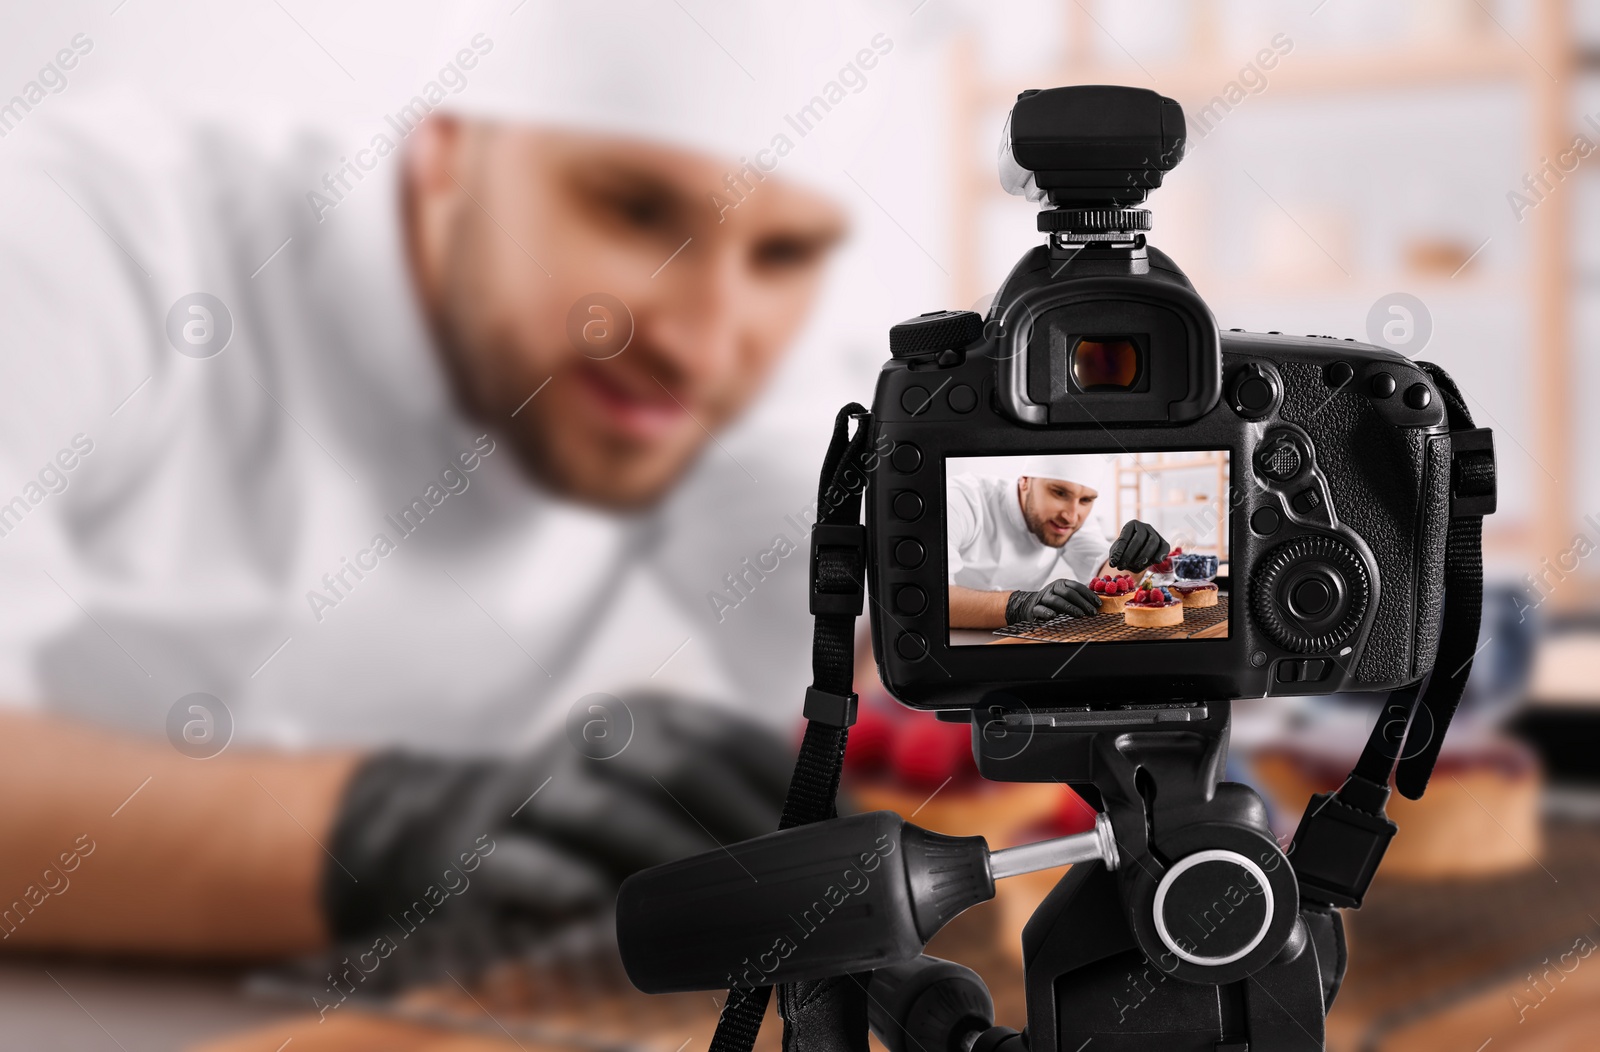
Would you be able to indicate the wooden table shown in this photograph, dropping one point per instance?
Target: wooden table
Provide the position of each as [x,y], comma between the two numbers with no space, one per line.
[1436,966]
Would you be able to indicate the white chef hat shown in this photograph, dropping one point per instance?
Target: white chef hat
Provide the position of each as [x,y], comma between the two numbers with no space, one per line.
[797,87]
[1094,470]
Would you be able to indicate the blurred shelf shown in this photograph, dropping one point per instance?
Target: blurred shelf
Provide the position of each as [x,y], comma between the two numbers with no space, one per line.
[1180,465]
[1358,286]
[1564,672]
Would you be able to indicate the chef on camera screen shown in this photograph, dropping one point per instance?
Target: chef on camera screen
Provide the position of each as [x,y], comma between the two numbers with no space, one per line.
[1027,537]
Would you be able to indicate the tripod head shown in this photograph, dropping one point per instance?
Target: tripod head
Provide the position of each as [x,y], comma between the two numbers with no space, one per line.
[1180,871]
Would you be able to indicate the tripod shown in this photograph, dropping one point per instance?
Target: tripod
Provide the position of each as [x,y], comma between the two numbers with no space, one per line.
[1195,942]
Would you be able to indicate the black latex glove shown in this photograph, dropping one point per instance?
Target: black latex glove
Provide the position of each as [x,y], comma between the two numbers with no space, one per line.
[1137,547]
[470,860]
[1061,596]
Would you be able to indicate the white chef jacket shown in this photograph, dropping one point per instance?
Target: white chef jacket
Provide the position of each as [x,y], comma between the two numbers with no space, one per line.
[182,550]
[991,549]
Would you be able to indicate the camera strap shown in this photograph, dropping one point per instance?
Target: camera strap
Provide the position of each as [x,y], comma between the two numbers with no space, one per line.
[826,1015]
[1344,834]
[1472,496]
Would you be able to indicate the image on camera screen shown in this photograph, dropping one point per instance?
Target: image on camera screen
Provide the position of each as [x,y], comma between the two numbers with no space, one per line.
[1087,547]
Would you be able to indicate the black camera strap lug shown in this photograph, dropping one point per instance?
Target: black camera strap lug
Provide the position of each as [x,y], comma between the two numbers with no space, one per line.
[828,1015]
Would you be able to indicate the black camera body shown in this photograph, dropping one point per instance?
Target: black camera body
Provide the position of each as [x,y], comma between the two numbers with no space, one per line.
[1338,489]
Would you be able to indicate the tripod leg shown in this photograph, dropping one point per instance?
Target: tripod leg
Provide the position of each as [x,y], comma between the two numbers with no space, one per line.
[1284,1001]
[928,1005]
[824,1015]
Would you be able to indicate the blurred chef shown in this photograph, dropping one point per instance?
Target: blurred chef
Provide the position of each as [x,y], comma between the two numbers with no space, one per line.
[347,469]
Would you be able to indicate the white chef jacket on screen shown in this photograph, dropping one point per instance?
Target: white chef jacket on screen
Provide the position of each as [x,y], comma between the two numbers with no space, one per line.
[991,549]
[181,552]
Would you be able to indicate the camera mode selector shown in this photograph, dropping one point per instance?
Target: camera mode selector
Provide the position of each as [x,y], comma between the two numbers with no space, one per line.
[940,330]
[1256,391]
[1310,594]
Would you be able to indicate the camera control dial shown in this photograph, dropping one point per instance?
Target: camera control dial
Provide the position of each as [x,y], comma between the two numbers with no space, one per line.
[936,331]
[1310,594]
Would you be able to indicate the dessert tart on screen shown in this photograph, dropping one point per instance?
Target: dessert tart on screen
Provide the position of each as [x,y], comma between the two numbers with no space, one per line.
[1114,592]
[1152,607]
[1195,593]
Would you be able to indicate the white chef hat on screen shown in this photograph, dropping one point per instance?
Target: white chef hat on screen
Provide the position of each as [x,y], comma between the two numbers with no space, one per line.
[796,88]
[1094,470]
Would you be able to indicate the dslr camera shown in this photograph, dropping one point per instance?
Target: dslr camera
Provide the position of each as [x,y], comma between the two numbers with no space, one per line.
[1323,464]
[1328,498]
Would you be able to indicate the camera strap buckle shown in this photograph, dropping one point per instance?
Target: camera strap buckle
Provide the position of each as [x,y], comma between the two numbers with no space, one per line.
[1344,834]
[1472,472]
[838,569]
[835,710]
[1337,849]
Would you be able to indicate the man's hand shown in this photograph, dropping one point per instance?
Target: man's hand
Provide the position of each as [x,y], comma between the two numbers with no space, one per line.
[1137,547]
[1061,596]
[472,859]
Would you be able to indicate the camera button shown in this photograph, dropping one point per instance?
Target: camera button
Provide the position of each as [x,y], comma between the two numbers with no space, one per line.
[911,646]
[1418,396]
[1313,670]
[907,506]
[1311,598]
[1337,374]
[1281,460]
[909,553]
[962,398]
[1266,521]
[911,600]
[906,458]
[915,399]
[1287,672]
[1254,395]
[1307,501]
[1255,391]
[1382,385]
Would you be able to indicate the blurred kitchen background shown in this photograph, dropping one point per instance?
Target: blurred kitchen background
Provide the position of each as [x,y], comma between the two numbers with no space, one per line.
[1363,168]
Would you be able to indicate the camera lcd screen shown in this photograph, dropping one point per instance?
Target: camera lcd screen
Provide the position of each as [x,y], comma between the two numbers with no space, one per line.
[1029,543]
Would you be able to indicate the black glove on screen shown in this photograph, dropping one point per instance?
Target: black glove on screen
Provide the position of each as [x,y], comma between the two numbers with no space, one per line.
[481,855]
[1061,596]
[1137,547]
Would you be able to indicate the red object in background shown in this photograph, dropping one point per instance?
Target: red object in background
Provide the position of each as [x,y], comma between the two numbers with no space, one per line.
[1074,815]
[925,752]
[871,739]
